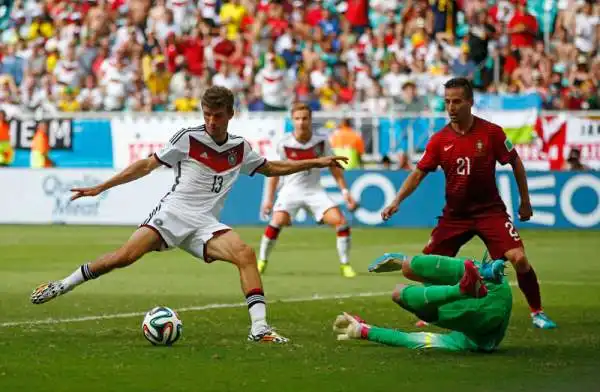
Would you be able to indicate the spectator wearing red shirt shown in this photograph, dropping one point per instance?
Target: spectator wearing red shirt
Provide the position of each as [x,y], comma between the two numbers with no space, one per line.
[223,49]
[192,48]
[523,27]
[171,51]
[314,14]
[277,21]
[358,15]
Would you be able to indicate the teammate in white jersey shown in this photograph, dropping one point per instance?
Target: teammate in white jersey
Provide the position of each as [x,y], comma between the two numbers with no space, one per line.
[303,190]
[207,160]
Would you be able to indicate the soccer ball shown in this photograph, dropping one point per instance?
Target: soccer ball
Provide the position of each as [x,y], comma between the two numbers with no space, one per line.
[161,326]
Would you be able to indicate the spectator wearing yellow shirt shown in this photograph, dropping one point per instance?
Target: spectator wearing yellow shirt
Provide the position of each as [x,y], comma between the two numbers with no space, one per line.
[187,103]
[69,102]
[40,27]
[158,82]
[327,95]
[231,15]
[52,57]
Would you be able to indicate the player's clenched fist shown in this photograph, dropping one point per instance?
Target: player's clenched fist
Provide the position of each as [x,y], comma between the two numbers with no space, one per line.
[267,207]
[525,212]
[389,211]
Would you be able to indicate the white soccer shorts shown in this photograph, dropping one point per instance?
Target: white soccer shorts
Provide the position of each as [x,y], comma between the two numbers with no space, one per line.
[315,201]
[189,235]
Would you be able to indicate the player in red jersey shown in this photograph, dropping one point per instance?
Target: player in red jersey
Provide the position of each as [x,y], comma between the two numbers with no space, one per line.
[467,149]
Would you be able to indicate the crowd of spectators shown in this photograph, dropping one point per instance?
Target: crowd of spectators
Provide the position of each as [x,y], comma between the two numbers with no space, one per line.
[371,55]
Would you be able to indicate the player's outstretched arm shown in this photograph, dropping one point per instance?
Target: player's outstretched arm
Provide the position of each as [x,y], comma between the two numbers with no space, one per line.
[408,187]
[284,168]
[348,327]
[132,172]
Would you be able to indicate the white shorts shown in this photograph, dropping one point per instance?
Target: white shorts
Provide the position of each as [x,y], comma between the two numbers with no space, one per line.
[176,231]
[317,202]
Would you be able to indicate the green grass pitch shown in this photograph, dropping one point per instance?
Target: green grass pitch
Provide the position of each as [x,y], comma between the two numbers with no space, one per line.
[111,354]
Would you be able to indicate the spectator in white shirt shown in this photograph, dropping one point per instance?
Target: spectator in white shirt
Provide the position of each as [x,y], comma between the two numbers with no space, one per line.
[392,82]
[90,97]
[587,30]
[227,77]
[67,69]
[318,76]
[115,85]
[274,88]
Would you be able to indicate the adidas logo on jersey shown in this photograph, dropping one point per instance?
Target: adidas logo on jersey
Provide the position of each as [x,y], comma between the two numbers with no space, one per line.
[204,155]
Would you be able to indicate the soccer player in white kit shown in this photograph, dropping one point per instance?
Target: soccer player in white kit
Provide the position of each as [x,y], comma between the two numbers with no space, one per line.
[206,160]
[303,190]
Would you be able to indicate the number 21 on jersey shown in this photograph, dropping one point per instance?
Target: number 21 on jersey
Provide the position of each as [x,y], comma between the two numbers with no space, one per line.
[464,166]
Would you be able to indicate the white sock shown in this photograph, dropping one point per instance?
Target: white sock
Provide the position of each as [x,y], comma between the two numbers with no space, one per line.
[258,311]
[258,316]
[267,242]
[343,244]
[80,275]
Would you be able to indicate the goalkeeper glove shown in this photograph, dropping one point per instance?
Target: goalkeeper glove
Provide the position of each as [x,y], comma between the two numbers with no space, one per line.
[350,327]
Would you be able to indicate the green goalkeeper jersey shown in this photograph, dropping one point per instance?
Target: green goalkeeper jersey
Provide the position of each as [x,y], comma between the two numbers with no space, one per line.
[482,320]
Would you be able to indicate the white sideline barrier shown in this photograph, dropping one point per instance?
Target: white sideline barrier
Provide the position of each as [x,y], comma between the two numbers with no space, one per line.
[46,194]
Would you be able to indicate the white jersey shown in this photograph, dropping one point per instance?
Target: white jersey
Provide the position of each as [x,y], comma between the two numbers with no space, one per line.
[289,148]
[204,170]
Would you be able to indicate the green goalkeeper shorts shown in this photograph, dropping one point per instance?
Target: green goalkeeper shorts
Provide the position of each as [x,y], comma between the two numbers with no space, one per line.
[483,320]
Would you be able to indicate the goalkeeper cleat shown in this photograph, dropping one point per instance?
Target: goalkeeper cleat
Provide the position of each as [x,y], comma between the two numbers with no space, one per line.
[347,271]
[387,263]
[493,271]
[262,266]
[47,291]
[267,335]
[471,283]
[540,320]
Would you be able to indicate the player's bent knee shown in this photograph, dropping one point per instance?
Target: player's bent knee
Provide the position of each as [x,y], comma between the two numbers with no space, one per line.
[518,259]
[281,219]
[244,256]
[397,293]
[341,222]
[406,270]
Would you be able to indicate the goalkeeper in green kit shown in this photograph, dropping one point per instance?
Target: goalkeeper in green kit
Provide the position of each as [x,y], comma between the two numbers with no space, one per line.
[471,299]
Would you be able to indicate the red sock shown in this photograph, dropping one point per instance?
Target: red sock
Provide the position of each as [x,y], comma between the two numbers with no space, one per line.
[272,232]
[530,287]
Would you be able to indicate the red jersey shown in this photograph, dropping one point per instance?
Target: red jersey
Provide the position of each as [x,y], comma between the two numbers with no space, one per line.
[526,38]
[469,164]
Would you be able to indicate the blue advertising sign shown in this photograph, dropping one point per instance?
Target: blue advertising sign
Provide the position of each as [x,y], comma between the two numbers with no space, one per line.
[560,200]
[73,143]
[508,101]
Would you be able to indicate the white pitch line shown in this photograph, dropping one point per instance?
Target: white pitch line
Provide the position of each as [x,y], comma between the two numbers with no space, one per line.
[315,297]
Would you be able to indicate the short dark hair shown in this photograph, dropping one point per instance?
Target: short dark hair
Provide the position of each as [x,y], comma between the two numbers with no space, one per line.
[216,97]
[463,83]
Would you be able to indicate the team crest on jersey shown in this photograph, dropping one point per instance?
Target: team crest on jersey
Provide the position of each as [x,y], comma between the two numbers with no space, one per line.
[232,158]
[479,148]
